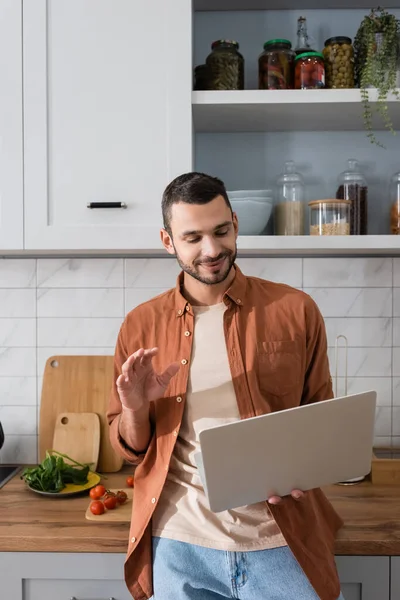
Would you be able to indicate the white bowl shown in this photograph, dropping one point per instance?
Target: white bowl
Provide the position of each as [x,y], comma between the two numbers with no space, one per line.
[253,215]
[250,194]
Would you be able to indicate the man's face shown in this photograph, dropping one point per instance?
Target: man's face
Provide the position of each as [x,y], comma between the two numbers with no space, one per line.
[203,239]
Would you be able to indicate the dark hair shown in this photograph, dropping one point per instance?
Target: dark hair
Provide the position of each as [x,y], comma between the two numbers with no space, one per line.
[191,188]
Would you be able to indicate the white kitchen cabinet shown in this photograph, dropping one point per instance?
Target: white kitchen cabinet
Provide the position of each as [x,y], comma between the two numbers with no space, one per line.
[395,578]
[99,576]
[11,182]
[365,577]
[107,119]
[51,576]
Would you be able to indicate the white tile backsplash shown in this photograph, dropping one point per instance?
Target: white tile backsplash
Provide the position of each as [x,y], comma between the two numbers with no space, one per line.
[101,302]
[18,332]
[353,302]
[17,303]
[347,272]
[77,332]
[80,272]
[281,270]
[151,272]
[75,306]
[19,449]
[359,332]
[17,273]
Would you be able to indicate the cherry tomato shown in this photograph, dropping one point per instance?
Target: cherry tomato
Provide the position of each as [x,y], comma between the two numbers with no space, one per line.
[97,492]
[110,502]
[109,494]
[122,497]
[97,507]
[129,481]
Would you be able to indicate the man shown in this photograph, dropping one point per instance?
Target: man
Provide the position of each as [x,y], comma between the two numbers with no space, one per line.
[217,348]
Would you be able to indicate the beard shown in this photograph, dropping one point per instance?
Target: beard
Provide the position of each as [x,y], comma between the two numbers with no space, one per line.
[218,276]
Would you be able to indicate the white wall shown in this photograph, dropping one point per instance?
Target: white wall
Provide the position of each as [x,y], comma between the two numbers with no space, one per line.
[75,306]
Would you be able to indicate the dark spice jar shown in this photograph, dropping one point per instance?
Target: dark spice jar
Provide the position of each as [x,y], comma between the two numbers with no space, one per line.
[353,187]
[276,66]
[225,66]
[309,71]
[200,77]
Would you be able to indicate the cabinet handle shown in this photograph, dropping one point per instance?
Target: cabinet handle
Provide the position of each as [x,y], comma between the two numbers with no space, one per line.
[107,205]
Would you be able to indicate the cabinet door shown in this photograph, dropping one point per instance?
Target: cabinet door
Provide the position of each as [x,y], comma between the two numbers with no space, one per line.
[11,175]
[107,119]
[364,577]
[395,578]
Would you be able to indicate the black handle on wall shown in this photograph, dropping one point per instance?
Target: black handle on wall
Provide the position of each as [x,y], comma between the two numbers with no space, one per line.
[107,205]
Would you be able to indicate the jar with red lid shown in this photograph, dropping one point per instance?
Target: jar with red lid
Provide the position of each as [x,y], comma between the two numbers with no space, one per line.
[309,71]
[276,66]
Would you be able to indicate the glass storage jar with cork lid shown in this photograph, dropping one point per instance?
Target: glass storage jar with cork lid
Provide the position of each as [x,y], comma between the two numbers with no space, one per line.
[225,66]
[329,217]
[289,202]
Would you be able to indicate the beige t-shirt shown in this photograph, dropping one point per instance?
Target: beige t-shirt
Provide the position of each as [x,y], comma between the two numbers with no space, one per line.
[183,512]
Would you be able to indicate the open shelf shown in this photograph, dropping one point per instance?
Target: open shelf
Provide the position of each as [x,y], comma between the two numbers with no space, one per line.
[362,245]
[285,4]
[286,110]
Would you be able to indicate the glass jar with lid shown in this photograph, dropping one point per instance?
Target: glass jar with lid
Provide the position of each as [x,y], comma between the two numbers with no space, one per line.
[276,66]
[394,193]
[309,71]
[339,62]
[289,207]
[329,217]
[225,66]
[353,186]
[200,78]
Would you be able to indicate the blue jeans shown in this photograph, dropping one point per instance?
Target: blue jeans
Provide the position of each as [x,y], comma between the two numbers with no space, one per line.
[184,571]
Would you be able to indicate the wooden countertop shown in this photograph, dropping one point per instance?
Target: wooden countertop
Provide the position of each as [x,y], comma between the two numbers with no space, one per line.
[32,523]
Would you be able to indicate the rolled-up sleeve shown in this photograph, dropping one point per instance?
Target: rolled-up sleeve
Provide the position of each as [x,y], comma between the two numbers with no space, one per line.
[318,381]
[115,407]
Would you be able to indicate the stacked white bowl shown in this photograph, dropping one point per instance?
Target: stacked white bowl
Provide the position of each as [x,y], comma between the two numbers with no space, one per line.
[253,209]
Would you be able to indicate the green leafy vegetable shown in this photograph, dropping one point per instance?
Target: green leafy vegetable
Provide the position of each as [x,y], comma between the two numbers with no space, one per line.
[54,473]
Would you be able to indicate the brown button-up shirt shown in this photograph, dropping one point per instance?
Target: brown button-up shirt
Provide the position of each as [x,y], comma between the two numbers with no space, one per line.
[277,351]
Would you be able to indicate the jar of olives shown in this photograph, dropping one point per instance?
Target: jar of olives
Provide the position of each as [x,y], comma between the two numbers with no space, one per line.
[339,62]
[276,66]
[225,66]
[309,71]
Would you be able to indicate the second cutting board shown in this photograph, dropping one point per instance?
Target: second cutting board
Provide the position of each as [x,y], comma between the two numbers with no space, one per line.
[78,436]
[78,384]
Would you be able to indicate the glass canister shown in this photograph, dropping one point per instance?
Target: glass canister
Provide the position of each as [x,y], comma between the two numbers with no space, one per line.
[339,62]
[394,192]
[329,217]
[309,71]
[225,66]
[289,207]
[353,186]
[276,66]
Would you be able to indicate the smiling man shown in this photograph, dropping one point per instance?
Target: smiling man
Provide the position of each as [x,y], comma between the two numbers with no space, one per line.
[218,347]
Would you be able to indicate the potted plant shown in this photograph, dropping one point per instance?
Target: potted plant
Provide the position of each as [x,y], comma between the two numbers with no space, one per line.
[376,49]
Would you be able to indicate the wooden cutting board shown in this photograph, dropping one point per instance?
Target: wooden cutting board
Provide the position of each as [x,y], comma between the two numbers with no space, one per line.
[121,514]
[78,384]
[78,436]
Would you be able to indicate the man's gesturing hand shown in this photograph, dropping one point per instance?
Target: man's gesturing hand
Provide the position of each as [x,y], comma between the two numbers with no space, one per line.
[139,384]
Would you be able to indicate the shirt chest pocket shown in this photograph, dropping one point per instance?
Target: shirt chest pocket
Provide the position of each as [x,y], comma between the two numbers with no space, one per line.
[279,366]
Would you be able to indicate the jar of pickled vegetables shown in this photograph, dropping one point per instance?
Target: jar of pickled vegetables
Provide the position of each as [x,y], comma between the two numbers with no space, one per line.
[339,62]
[309,71]
[276,66]
[225,66]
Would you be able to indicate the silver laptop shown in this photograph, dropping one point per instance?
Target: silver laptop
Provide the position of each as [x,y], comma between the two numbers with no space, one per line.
[302,448]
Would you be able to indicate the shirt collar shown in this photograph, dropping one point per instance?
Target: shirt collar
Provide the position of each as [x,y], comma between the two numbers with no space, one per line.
[236,292]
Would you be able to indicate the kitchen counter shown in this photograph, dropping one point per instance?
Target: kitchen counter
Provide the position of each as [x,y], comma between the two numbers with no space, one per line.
[33,523]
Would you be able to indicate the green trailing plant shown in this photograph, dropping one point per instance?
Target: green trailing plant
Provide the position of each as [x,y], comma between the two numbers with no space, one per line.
[376,49]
